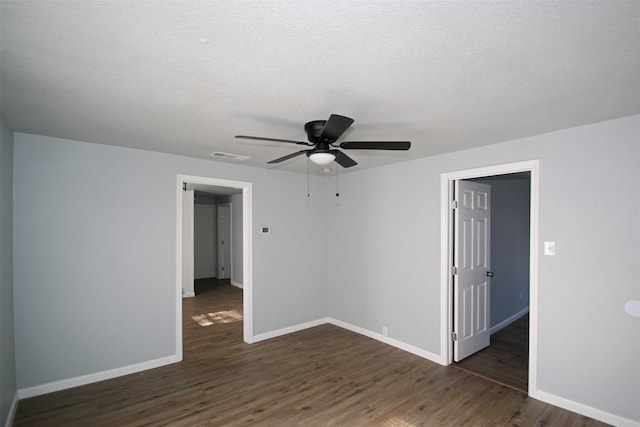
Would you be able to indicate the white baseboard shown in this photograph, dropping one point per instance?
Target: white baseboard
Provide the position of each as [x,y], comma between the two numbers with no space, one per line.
[508,321]
[188,294]
[12,411]
[580,408]
[126,370]
[289,330]
[237,285]
[387,340]
[38,390]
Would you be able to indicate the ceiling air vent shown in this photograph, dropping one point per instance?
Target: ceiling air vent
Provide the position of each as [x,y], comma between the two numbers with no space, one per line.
[228,156]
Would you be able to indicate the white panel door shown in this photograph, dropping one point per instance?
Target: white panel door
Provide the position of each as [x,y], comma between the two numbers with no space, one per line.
[187,244]
[204,241]
[472,265]
[224,241]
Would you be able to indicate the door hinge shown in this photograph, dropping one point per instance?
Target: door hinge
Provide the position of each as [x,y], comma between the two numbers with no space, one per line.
[454,270]
[454,204]
[454,336]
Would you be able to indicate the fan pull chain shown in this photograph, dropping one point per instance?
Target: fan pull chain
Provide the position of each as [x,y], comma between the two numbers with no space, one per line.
[337,187]
[308,178]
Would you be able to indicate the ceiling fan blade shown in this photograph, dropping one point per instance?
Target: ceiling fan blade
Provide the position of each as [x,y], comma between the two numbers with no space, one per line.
[343,160]
[335,127]
[376,145]
[287,157]
[260,138]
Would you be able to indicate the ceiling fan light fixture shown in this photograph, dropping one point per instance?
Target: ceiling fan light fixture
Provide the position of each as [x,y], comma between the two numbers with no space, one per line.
[322,158]
[323,135]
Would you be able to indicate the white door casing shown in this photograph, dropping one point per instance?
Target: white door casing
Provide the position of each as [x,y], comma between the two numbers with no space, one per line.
[187,244]
[472,265]
[447,180]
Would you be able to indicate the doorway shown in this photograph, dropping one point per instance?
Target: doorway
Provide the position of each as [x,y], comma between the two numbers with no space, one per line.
[216,210]
[247,248]
[504,356]
[448,181]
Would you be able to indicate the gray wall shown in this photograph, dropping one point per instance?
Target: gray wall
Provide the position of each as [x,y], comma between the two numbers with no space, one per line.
[204,198]
[509,246]
[8,386]
[83,233]
[236,238]
[385,255]
[96,223]
[235,200]
[205,242]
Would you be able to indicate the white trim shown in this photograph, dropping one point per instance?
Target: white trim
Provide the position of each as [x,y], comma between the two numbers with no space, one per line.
[236,284]
[446,297]
[230,239]
[357,329]
[589,411]
[389,341]
[247,251]
[533,277]
[290,329]
[12,411]
[38,390]
[178,294]
[188,294]
[247,262]
[509,320]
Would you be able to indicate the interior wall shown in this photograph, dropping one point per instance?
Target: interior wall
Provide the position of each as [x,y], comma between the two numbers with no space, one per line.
[8,385]
[205,199]
[379,259]
[235,200]
[205,251]
[223,242]
[103,239]
[510,212]
[236,240]
[385,256]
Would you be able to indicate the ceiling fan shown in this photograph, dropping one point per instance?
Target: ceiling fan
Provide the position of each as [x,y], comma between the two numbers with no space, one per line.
[323,135]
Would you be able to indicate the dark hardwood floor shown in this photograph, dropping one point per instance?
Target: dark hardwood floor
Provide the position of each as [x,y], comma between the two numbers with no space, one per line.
[323,376]
[506,360]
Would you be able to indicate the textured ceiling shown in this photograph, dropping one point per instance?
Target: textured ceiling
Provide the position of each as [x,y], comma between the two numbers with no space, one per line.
[184,77]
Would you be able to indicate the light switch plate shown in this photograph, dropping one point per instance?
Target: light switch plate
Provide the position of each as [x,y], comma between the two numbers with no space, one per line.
[550,248]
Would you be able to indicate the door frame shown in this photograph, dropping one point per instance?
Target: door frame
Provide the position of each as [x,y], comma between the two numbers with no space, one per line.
[446,257]
[247,251]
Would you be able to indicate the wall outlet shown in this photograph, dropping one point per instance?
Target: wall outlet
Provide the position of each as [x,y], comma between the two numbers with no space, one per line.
[385,331]
[550,248]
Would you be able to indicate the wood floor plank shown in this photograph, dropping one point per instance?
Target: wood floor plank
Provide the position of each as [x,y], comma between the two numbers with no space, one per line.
[322,376]
[506,360]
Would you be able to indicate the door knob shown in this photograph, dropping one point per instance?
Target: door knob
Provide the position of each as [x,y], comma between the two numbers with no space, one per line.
[489,273]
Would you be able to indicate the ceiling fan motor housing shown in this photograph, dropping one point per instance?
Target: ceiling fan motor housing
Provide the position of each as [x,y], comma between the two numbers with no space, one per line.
[314,130]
